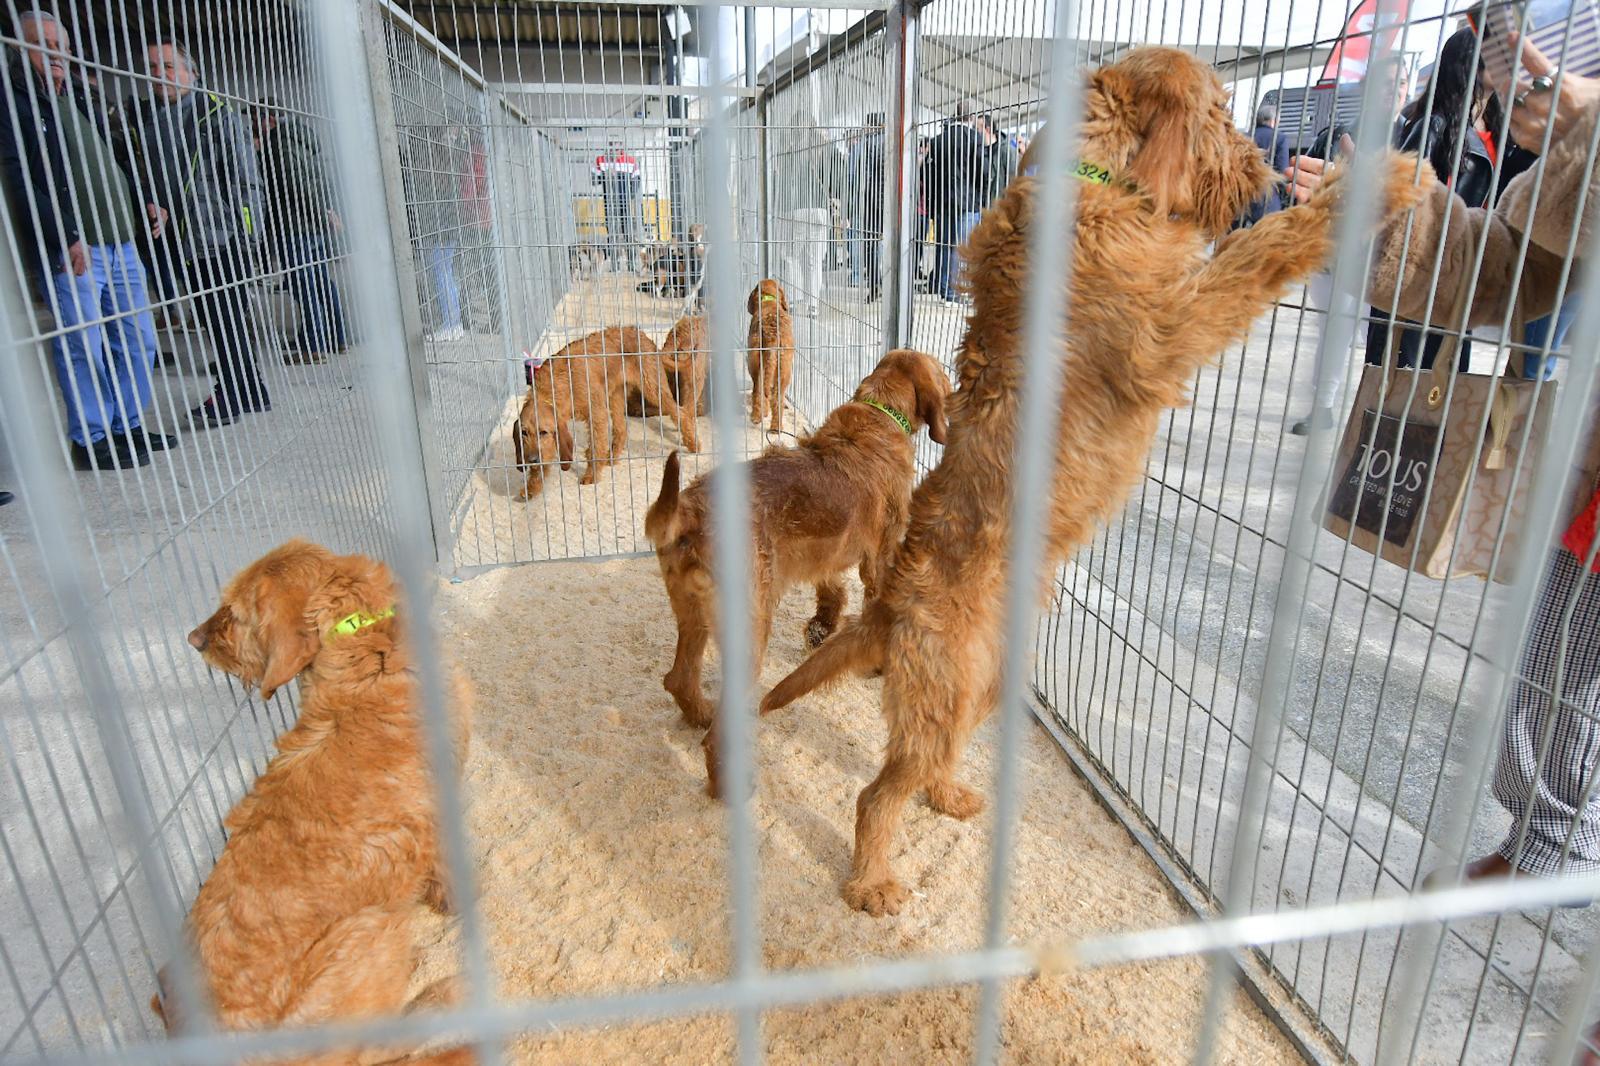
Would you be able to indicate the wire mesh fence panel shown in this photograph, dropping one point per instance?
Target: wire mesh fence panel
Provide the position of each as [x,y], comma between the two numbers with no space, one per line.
[1155,653]
[446,283]
[177,242]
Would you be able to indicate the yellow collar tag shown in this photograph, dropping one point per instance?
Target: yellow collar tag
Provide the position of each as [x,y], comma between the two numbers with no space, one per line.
[899,419]
[768,298]
[1093,173]
[355,623]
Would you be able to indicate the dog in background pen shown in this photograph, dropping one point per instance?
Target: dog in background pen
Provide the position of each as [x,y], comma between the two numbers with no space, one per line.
[770,352]
[836,500]
[589,381]
[306,917]
[1164,173]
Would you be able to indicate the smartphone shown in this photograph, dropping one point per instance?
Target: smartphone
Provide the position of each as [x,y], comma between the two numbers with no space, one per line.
[1545,23]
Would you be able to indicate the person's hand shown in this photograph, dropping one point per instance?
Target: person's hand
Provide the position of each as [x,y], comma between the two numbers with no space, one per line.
[78,258]
[158,219]
[1306,175]
[335,223]
[1535,107]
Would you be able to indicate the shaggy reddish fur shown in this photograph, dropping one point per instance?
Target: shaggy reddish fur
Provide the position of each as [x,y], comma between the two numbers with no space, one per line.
[686,359]
[589,381]
[306,916]
[1148,308]
[770,352]
[836,500]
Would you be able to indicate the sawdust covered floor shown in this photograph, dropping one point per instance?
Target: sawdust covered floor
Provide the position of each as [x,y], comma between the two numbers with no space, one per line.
[601,861]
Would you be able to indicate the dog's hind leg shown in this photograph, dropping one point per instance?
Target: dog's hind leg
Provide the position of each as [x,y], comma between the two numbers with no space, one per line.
[758,389]
[766,605]
[927,730]
[694,632]
[778,388]
[358,969]
[945,794]
[831,597]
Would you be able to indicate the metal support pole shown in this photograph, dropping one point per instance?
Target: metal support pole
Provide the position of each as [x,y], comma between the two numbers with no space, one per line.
[374,33]
[900,175]
[763,186]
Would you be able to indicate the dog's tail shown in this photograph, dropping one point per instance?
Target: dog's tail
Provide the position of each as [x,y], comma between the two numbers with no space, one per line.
[856,649]
[661,521]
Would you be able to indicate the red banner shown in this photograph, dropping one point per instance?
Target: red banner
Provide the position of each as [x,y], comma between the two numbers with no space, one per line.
[1349,59]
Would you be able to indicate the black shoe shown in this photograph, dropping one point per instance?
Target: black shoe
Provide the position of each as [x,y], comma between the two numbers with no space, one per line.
[105,455]
[874,296]
[209,416]
[1319,418]
[142,439]
[6,497]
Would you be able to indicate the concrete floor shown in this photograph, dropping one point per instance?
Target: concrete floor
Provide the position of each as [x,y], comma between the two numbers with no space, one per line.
[1155,666]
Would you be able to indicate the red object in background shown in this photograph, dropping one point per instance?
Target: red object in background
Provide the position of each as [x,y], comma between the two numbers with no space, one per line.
[475,189]
[1349,59]
[1580,535]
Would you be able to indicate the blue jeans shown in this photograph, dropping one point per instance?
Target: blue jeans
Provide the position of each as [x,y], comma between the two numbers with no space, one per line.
[441,259]
[1535,333]
[321,313]
[954,229]
[108,344]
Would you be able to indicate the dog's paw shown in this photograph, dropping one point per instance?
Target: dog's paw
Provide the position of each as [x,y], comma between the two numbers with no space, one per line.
[590,476]
[876,897]
[818,631]
[1402,187]
[955,799]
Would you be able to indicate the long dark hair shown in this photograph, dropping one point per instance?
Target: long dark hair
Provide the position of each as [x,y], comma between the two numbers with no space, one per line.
[1459,98]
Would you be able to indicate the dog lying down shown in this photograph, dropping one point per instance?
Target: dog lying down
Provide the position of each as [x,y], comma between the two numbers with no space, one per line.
[1149,307]
[306,917]
[836,500]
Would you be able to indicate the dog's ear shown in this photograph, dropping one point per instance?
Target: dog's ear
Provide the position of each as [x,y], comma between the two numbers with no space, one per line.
[933,388]
[1230,174]
[1169,118]
[286,637]
[755,298]
[783,297]
[517,445]
[564,445]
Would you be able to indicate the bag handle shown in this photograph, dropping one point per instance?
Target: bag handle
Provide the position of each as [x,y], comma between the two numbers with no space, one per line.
[1502,396]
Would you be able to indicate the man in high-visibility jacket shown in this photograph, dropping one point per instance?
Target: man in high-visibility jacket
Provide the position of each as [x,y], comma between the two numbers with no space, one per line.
[202,158]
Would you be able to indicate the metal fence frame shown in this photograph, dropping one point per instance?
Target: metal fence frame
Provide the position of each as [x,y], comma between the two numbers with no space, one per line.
[406,494]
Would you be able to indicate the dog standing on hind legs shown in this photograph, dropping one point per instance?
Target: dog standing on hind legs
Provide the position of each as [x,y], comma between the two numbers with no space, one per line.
[836,500]
[1149,307]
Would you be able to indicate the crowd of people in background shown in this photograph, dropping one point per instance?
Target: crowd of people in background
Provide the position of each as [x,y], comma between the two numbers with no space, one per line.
[166,208]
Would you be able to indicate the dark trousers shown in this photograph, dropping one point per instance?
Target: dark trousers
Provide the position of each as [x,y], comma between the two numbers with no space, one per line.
[871,256]
[221,299]
[321,312]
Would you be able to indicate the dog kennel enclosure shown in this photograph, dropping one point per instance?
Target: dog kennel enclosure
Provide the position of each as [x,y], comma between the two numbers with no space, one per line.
[1294,730]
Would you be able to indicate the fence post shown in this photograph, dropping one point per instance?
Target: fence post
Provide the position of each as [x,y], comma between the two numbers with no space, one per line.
[900,175]
[374,34]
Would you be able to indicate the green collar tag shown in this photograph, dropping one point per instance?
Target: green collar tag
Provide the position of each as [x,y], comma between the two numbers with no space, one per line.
[354,623]
[899,419]
[1093,173]
[768,298]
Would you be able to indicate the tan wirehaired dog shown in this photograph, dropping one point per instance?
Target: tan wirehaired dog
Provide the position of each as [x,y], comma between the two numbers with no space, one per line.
[588,381]
[1149,307]
[306,917]
[686,360]
[836,500]
[770,352]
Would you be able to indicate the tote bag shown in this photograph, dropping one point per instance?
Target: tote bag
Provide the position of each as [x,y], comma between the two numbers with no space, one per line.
[1422,481]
